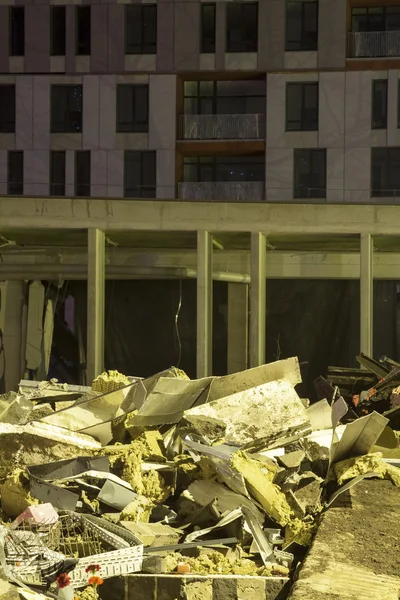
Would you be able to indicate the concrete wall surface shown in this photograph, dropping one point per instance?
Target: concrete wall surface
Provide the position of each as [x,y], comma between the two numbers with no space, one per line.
[192,587]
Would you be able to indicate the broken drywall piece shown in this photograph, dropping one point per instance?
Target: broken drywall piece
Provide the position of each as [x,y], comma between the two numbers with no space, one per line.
[320,415]
[257,414]
[15,409]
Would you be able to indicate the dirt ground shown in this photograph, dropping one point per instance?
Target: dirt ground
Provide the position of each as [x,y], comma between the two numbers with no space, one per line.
[355,554]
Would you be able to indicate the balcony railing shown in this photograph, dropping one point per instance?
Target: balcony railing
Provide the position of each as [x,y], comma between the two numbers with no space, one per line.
[373,44]
[230,191]
[222,127]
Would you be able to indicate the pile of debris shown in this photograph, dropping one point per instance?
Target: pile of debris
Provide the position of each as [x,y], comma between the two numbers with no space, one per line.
[222,475]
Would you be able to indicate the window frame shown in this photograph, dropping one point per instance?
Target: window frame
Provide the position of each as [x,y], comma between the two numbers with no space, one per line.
[312,155]
[143,46]
[68,124]
[247,43]
[57,43]
[83,39]
[134,126]
[390,167]
[18,190]
[9,125]
[303,126]
[141,190]
[379,122]
[57,188]
[199,97]
[306,43]
[207,39]
[13,11]
[82,190]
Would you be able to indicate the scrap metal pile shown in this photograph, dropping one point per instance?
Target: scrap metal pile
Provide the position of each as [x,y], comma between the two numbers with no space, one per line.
[222,475]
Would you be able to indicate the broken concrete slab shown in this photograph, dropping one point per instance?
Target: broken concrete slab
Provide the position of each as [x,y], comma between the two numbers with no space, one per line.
[37,443]
[257,414]
[292,460]
[153,534]
[309,497]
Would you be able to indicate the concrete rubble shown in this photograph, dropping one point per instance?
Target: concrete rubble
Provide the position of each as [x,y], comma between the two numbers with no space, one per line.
[217,484]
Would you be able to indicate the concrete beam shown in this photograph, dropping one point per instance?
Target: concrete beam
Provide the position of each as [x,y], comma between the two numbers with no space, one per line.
[115,214]
[257,299]
[366,294]
[238,327]
[204,303]
[127,263]
[95,303]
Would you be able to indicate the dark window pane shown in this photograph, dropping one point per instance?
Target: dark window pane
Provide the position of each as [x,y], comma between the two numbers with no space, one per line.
[139,174]
[57,173]
[208,28]
[57,33]
[301,25]
[15,177]
[242,27]
[302,106]
[82,173]
[83,34]
[385,172]
[66,109]
[379,103]
[230,169]
[17,31]
[141,29]
[309,174]
[7,108]
[132,108]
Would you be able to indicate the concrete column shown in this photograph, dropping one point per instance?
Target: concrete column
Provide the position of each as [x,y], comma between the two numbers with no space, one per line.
[204,303]
[366,293]
[238,326]
[12,324]
[257,299]
[95,307]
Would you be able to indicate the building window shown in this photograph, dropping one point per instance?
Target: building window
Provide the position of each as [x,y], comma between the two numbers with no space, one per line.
[132,108]
[375,18]
[310,173]
[301,25]
[385,172]
[379,103]
[57,30]
[302,106]
[66,108]
[15,174]
[223,169]
[57,173]
[82,173]
[141,29]
[224,97]
[139,174]
[82,25]
[17,31]
[242,27]
[208,28]
[7,108]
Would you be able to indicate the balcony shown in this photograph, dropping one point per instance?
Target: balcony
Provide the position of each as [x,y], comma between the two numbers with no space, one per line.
[226,191]
[373,44]
[222,127]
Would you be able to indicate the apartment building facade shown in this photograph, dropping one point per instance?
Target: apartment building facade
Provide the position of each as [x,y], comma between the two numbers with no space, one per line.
[248,101]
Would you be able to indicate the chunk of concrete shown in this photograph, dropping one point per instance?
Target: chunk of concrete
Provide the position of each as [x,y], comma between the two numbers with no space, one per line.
[37,443]
[153,534]
[309,497]
[292,460]
[257,414]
